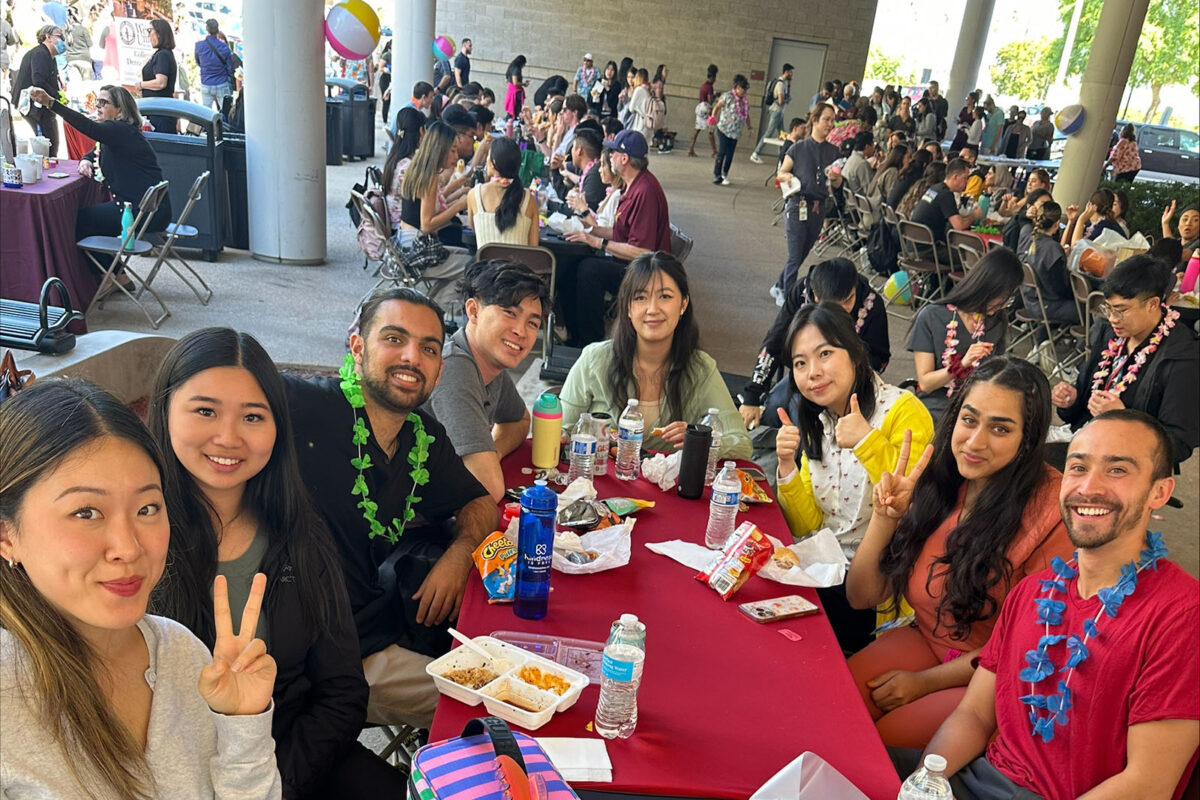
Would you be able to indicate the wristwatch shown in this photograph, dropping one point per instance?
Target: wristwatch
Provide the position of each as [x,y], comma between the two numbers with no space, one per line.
[604,246]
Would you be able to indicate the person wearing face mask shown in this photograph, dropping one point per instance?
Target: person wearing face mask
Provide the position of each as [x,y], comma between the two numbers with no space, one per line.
[950,337]
[39,70]
[654,356]
[1140,357]
[101,699]
[842,427]
[976,512]
[835,280]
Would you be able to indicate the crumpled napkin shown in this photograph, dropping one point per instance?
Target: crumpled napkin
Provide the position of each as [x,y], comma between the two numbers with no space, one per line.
[580,488]
[612,544]
[808,777]
[564,224]
[662,470]
[822,562]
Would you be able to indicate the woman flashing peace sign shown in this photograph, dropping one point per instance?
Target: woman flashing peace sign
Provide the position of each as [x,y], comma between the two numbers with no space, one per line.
[99,698]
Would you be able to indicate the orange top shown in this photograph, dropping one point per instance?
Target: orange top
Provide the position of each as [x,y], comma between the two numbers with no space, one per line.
[1042,537]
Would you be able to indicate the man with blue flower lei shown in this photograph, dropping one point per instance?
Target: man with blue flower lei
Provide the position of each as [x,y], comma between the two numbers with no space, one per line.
[1090,684]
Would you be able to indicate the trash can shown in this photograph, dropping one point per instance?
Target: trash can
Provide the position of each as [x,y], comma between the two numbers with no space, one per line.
[358,117]
[238,233]
[182,158]
[335,108]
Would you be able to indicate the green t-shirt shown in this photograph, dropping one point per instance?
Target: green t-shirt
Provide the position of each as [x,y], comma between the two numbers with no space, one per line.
[239,575]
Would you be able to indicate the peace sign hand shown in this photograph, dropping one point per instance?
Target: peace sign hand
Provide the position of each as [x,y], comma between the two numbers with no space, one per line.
[241,677]
[851,428]
[893,493]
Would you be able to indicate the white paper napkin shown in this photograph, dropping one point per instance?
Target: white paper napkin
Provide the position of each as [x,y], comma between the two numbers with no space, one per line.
[579,759]
[822,562]
[808,777]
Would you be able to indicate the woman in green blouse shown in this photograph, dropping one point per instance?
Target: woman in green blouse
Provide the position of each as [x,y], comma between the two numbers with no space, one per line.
[654,355]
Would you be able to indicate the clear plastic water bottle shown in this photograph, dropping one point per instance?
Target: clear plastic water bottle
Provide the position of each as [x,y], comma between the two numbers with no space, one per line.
[621,674]
[713,420]
[603,442]
[928,782]
[583,448]
[723,507]
[630,429]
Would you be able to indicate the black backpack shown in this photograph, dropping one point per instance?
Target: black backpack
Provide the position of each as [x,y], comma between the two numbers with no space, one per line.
[883,248]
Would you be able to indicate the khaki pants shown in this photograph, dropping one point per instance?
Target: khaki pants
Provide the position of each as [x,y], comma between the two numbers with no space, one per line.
[401,692]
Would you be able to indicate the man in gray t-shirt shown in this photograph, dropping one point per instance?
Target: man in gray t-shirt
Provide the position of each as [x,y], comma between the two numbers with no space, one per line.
[475,399]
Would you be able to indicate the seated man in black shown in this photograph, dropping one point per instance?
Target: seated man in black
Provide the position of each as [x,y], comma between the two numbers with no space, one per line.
[583,171]
[836,280]
[405,512]
[938,208]
[1141,356]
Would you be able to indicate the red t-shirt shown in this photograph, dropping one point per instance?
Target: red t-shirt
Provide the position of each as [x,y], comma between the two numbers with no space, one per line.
[642,218]
[1141,668]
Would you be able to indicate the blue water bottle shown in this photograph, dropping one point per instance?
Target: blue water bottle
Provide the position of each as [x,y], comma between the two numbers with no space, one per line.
[535,547]
[127,227]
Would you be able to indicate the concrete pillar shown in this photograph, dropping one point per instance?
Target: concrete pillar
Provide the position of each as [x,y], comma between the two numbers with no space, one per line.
[285,130]
[412,48]
[968,52]
[1100,94]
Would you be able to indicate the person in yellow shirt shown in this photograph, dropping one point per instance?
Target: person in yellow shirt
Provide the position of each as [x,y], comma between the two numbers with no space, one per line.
[838,436]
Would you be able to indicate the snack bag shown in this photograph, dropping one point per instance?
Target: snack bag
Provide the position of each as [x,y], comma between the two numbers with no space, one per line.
[496,560]
[751,491]
[746,552]
[624,506]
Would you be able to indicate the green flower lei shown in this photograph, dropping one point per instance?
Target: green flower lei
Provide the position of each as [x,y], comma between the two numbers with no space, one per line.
[417,456]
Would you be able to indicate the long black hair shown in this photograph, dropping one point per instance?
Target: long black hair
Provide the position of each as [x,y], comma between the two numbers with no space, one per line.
[685,342]
[916,165]
[976,559]
[996,276]
[515,69]
[506,158]
[410,125]
[297,541]
[838,329]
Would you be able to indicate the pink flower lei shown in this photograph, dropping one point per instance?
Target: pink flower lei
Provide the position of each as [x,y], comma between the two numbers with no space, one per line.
[948,360]
[1116,346]
[863,311]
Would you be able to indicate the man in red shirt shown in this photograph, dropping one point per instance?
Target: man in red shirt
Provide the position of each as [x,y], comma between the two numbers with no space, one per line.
[1090,680]
[642,225]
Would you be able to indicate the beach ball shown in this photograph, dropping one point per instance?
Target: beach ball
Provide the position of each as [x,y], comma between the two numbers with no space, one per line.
[443,48]
[1070,119]
[897,289]
[352,29]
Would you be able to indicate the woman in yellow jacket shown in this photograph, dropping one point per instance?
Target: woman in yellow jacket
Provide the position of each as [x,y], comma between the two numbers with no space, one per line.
[847,431]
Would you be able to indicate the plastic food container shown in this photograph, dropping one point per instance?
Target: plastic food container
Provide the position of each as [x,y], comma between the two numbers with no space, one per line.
[507,696]
[580,655]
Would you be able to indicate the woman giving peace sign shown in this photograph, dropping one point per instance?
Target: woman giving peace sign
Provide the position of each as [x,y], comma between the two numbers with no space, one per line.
[241,676]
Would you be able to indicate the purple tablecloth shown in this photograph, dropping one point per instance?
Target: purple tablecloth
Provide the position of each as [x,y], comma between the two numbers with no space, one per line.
[37,237]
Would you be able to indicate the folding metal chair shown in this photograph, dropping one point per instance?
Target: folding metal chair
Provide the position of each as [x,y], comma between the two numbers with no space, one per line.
[119,252]
[966,247]
[919,258]
[165,247]
[1055,331]
[391,265]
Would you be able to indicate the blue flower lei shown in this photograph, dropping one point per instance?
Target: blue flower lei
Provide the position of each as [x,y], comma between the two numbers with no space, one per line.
[1049,612]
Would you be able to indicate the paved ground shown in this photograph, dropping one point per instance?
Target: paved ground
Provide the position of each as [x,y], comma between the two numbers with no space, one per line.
[301,313]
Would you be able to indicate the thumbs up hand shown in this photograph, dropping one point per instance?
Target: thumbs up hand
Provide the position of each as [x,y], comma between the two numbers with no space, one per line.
[853,427]
[787,442]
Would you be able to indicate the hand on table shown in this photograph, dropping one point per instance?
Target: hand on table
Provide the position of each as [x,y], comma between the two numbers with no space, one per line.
[751,415]
[586,238]
[787,442]
[893,493]
[1099,402]
[1063,395]
[441,592]
[976,353]
[86,169]
[673,433]
[896,688]
[851,428]
[241,677]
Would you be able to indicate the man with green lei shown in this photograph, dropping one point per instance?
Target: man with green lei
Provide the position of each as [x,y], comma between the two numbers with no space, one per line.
[404,511]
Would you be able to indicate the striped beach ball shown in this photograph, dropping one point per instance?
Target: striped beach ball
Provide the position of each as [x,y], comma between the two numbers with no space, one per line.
[352,29]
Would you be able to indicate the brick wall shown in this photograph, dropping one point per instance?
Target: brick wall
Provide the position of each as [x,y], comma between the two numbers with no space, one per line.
[686,35]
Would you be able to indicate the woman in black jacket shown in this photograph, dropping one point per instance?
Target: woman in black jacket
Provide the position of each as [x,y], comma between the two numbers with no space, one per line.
[126,158]
[39,70]
[160,72]
[238,507]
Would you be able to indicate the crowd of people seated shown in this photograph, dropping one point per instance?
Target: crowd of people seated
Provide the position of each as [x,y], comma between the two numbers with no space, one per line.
[237,563]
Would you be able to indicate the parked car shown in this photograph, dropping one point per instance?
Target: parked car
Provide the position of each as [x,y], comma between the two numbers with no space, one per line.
[1169,151]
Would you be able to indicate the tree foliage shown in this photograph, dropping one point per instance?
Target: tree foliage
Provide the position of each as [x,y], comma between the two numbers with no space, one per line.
[883,68]
[1023,69]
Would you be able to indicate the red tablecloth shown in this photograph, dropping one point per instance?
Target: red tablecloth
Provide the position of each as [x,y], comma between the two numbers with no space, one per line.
[37,237]
[725,702]
[990,239]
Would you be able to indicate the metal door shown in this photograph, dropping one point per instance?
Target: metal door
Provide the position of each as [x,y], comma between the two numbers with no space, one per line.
[809,61]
